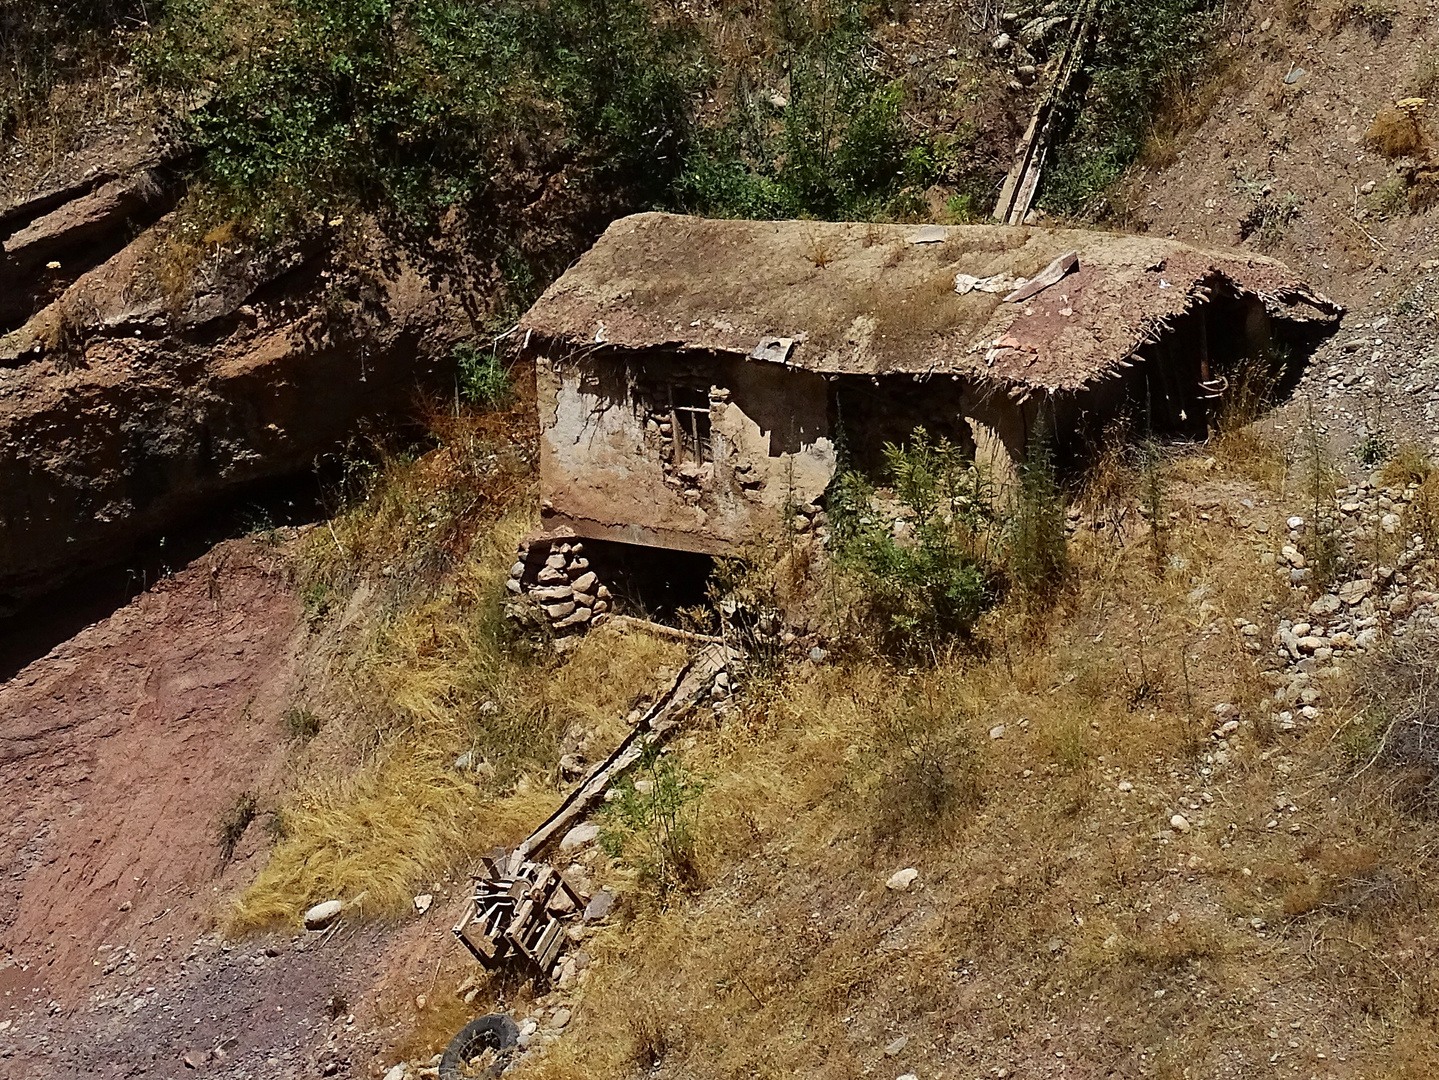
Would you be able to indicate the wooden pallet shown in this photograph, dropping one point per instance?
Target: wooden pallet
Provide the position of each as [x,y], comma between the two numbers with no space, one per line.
[517,914]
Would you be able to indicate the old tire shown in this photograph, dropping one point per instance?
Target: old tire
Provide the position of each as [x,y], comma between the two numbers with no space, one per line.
[496,1031]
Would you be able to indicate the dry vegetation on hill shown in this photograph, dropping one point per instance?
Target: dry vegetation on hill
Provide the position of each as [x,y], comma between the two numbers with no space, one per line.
[1111,880]
[1063,921]
[1060,922]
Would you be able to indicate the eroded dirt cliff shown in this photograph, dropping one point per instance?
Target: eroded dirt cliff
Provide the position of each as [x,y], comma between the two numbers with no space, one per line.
[157,373]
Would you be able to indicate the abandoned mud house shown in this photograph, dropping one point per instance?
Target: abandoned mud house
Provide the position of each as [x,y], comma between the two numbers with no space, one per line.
[695,377]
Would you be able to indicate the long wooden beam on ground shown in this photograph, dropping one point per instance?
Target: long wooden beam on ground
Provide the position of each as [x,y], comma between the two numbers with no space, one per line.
[691,685]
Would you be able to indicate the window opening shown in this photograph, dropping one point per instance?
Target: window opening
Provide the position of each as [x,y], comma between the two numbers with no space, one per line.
[692,423]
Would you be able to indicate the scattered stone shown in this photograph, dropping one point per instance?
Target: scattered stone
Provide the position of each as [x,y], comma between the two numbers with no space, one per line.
[560,1019]
[322,915]
[1179,823]
[1001,43]
[396,1072]
[1125,785]
[901,880]
[572,766]
[1352,592]
[423,902]
[1327,604]
[600,905]
[895,1048]
[579,836]
[997,731]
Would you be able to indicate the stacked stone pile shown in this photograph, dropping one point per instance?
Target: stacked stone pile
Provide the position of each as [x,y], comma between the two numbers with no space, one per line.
[563,590]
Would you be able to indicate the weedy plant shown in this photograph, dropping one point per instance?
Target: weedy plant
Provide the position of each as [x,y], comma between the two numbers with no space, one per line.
[652,824]
[930,773]
[934,583]
[1324,551]
[237,818]
[1374,446]
[1399,687]
[1422,515]
[1038,555]
[1152,501]
[302,723]
[484,380]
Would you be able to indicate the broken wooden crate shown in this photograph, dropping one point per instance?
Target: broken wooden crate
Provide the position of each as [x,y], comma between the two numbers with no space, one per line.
[517,912]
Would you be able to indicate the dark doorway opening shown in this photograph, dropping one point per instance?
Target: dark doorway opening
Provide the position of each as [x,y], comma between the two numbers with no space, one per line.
[650,582]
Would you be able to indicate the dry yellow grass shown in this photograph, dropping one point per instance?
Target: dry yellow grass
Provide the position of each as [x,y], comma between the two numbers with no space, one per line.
[1055,912]
[407,815]
[1060,915]
[1397,132]
[422,670]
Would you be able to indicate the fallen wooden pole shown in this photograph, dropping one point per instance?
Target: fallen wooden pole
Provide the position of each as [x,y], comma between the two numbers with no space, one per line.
[690,686]
[664,631]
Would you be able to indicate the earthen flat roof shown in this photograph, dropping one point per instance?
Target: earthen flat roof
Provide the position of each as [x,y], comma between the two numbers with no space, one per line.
[848,298]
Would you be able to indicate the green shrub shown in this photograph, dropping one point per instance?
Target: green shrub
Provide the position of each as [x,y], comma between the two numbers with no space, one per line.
[1142,50]
[935,582]
[483,378]
[652,823]
[838,148]
[413,104]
